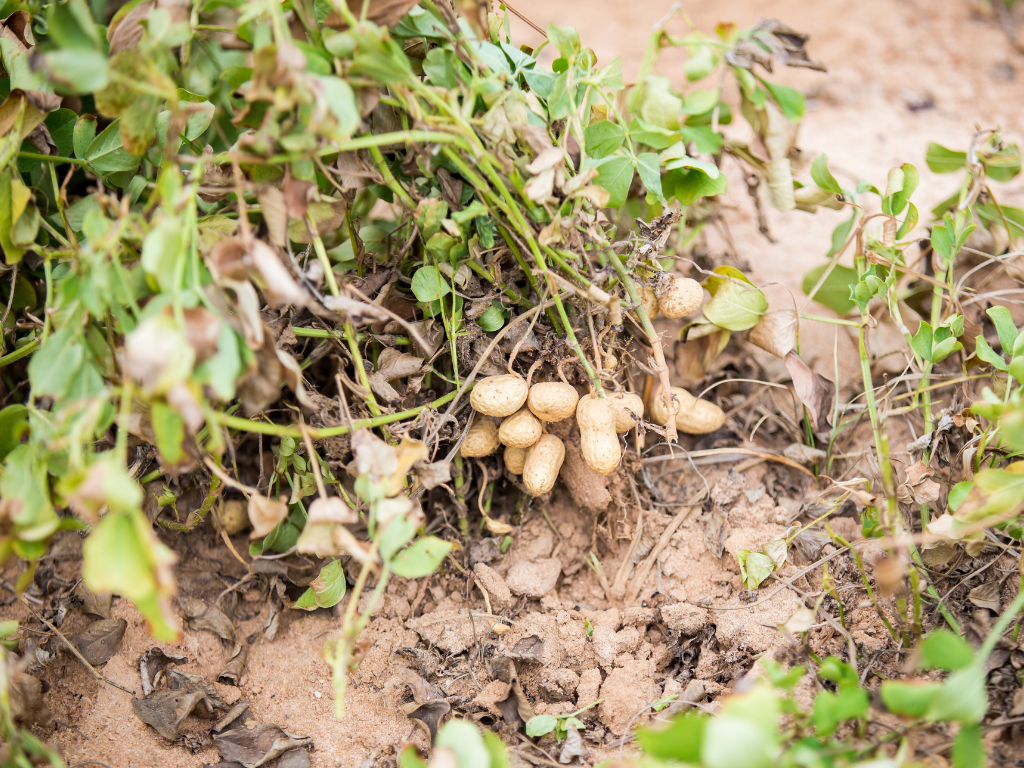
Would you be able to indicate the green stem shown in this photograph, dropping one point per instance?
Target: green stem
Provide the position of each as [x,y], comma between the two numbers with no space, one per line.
[390,180]
[17,354]
[323,333]
[51,158]
[281,430]
[321,254]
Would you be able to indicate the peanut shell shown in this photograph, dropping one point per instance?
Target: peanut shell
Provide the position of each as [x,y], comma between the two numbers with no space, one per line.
[499,395]
[543,460]
[482,439]
[683,296]
[515,458]
[629,409]
[598,439]
[520,430]
[552,400]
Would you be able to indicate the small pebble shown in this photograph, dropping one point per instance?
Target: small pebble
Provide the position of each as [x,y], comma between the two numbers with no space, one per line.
[317,694]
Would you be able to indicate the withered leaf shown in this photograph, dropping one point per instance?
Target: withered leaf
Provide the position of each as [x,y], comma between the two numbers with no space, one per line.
[275,216]
[986,596]
[393,364]
[294,758]
[430,715]
[92,603]
[372,455]
[26,695]
[152,665]
[358,312]
[776,332]
[422,691]
[814,391]
[257,746]
[530,649]
[100,640]
[382,389]
[231,716]
[331,510]
[573,746]
[265,515]
[279,286]
[232,671]
[713,524]
[433,474]
[200,616]
[165,711]
[515,708]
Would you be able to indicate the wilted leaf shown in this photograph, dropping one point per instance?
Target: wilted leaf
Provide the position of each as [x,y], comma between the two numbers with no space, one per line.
[257,746]
[736,304]
[100,640]
[232,671]
[326,590]
[986,596]
[92,603]
[201,616]
[265,515]
[814,391]
[755,567]
[776,332]
[152,665]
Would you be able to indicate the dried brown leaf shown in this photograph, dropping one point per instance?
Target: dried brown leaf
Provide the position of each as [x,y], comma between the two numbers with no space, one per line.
[200,616]
[776,332]
[275,215]
[232,671]
[257,746]
[152,665]
[394,364]
[433,474]
[92,603]
[100,640]
[265,515]
[814,391]
[986,596]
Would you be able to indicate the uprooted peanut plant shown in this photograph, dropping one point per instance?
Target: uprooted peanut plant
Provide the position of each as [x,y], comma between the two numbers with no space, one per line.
[344,275]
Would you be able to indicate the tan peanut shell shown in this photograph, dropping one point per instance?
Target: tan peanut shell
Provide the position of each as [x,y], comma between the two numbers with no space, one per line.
[520,430]
[515,458]
[694,417]
[598,439]
[543,460]
[684,295]
[482,439]
[627,405]
[552,400]
[499,395]
[649,301]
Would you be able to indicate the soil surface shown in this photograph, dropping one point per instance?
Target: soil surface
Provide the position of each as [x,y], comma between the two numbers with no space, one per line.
[901,73]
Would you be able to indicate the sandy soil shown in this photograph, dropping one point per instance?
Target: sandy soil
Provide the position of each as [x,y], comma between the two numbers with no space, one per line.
[882,56]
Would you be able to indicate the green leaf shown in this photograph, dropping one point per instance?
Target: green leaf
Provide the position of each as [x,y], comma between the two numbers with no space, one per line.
[1004,327]
[428,284]
[614,174]
[603,138]
[81,72]
[969,749]
[658,104]
[539,725]
[565,39]
[652,135]
[493,317]
[70,25]
[25,478]
[736,304]
[61,124]
[790,100]
[122,556]
[922,341]
[85,132]
[13,426]
[958,493]
[736,742]
[326,590]
[700,63]
[52,369]
[1002,165]
[410,758]
[704,139]
[699,101]
[422,558]
[106,154]
[902,183]
[682,740]
[465,740]
[496,749]
[689,186]
[944,650]
[342,103]
[755,567]
[834,293]
[440,246]
[989,355]
[839,672]
[822,176]
[830,709]
[942,160]
[962,697]
[169,429]
[910,699]
[650,173]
